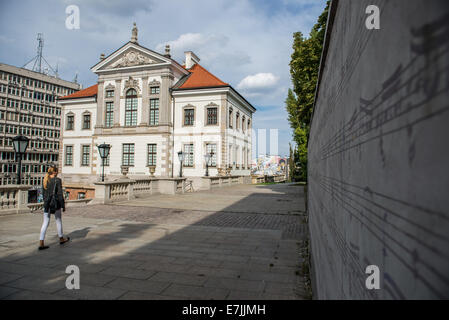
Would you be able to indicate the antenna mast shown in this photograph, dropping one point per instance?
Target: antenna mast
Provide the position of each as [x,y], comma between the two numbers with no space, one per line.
[39,60]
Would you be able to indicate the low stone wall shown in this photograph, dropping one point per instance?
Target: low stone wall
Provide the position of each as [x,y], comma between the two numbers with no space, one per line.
[128,189]
[14,199]
[267,179]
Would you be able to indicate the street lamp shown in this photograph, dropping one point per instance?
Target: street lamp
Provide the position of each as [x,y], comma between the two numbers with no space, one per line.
[181,159]
[103,149]
[20,144]
[208,158]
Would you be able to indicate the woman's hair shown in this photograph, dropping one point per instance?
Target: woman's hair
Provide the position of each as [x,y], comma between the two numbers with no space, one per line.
[51,171]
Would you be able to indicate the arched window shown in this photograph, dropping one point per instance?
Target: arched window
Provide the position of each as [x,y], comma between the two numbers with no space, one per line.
[131,108]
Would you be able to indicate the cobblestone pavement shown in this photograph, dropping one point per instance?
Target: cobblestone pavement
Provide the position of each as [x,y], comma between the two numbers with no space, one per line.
[239,242]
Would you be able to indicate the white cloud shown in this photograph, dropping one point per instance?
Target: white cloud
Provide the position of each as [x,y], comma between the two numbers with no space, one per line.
[196,42]
[258,81]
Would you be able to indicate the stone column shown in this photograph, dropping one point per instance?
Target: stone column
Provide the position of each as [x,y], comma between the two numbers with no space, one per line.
[100,105]
[165,116]
[145,112]
[223,126]
[117,94]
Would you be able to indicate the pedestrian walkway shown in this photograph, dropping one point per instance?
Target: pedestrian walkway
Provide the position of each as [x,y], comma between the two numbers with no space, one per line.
[239,242]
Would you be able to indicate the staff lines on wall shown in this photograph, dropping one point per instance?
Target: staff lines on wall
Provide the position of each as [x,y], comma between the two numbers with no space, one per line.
[333,182]
[350,66]
[339,138]
[346,252]
[328,188]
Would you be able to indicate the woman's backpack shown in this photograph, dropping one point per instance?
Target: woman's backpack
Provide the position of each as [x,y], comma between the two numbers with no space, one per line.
[53,203]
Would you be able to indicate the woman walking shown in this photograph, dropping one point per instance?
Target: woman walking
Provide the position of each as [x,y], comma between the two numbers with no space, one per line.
[53,203]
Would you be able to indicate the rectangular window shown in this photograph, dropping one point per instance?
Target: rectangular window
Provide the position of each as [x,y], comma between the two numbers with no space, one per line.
[230,119]
[85,155]
[152,153]
[189,116]
[154,112]
[128,154]
[154,90]
[131,112]
[81,195]
[188,155]
[70,122]
[109,118]
[69,155]
[86,121]
[109,93]
[212,148]
[212,116]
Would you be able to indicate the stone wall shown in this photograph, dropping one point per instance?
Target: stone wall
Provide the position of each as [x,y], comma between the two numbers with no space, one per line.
[379,153]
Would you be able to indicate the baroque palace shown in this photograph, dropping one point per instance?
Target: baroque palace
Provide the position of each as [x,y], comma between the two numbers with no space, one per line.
[148,108]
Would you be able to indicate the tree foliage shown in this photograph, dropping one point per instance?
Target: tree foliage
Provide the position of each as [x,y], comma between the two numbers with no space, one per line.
[304,67]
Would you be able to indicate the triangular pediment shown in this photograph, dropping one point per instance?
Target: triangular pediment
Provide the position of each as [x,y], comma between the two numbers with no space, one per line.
[130,55]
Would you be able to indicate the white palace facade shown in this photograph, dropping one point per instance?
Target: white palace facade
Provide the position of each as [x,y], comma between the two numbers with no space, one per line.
[149,107]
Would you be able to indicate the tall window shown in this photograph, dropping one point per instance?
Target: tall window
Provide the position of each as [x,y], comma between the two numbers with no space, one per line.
[188,155]
[230,119]
[86,121]
[154,112]
[69,155]
[70,122]
[237,120]
[243,124]
[128,154]
[212,115]
[212,147]
[154,90]
[109,119]
[152,153]
[189,116]
[85,155]
[131,108]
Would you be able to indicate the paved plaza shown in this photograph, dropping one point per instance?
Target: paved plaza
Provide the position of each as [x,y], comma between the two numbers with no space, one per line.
[237,242]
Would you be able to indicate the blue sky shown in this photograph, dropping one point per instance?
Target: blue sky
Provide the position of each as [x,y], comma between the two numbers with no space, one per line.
[246,43]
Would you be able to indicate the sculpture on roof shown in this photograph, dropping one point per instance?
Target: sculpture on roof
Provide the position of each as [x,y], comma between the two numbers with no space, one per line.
[134,34]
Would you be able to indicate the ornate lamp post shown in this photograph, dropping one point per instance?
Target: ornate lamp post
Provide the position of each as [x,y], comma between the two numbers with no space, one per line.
[208,158]
[181,160]
[20,144]
[103,149]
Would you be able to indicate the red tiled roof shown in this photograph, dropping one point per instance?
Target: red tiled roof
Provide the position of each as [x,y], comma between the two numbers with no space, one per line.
[200,77]
[85,93]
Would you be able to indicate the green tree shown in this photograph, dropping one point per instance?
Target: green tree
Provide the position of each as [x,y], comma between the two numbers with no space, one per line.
[304,68]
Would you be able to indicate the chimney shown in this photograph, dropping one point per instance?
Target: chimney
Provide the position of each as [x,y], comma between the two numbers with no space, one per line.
[191,59]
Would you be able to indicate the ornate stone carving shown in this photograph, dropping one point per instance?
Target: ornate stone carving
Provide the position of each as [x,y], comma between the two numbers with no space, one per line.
[154,83]
[110,87]
[132,83]
[132,58]
[212,104]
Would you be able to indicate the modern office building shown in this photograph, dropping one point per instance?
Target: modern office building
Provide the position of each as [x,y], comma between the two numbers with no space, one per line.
[28,107]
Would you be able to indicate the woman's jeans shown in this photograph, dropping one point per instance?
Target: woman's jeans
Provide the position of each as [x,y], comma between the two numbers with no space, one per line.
[47,222]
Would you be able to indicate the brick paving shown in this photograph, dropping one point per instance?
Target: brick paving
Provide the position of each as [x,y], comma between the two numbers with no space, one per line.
[239,242]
